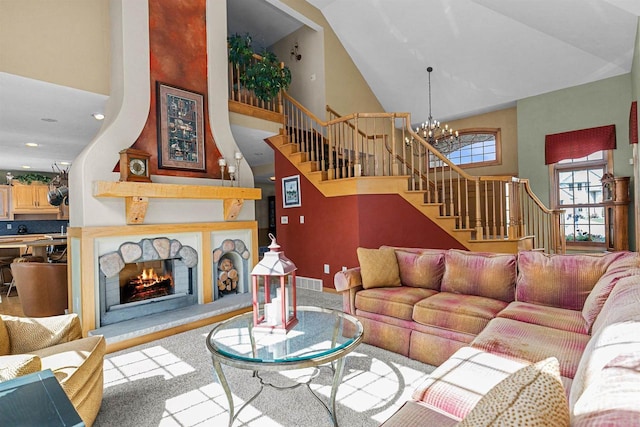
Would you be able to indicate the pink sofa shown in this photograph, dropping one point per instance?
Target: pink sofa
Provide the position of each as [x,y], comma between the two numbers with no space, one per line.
[482,317]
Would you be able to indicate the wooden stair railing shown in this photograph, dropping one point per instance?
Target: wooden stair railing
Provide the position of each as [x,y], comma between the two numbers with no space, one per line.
[487,208]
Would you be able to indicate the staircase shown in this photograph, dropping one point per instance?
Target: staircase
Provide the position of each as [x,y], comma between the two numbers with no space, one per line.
[379,153]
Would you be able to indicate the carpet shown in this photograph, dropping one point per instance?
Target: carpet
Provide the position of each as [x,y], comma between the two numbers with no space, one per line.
[171,382]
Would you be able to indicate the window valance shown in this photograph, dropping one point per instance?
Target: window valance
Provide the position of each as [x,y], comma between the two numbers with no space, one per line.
[633,123]
[579,143]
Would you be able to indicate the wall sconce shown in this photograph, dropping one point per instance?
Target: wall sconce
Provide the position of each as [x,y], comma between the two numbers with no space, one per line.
[294,52]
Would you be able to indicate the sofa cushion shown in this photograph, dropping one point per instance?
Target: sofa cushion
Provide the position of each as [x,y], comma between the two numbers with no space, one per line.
[464,313]
[421,270]
[458,384]
[482,274]
[378,267]
[417,414]
[29,334]
[530,396]
[616,332]
[533,343]
[622,305]
[395,302]
[5,345]
[612,400]
[625,266]
[559,280]
[17,365]
[553,317]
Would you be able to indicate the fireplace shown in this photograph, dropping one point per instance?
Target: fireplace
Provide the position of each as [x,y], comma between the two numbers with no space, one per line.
[146,280]
[146,277]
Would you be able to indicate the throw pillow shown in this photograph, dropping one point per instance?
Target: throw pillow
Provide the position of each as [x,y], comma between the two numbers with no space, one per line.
[378,267]
[421,270]
[533,395]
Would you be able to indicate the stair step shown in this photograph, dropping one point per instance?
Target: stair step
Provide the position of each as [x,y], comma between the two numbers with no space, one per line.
[308,166]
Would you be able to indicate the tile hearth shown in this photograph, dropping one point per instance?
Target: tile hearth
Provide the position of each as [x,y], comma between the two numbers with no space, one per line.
[140,327]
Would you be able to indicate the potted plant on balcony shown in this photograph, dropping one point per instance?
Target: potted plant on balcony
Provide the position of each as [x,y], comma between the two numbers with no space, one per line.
[263,74]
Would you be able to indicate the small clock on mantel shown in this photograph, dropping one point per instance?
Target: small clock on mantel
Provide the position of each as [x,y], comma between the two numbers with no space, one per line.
[134,165]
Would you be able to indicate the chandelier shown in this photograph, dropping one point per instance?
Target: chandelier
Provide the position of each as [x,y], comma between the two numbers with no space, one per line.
[439,137]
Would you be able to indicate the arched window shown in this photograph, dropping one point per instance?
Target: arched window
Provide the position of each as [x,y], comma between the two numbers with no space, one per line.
[475,147]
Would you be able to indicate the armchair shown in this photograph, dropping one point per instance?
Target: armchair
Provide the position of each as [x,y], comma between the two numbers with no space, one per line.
[31,344]
[42,287]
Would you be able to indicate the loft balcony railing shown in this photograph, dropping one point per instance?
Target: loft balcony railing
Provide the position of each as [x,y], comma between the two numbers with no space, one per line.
[240,94]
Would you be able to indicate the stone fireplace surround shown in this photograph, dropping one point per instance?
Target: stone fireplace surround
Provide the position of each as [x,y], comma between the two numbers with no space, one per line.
[183,260]
[87,244]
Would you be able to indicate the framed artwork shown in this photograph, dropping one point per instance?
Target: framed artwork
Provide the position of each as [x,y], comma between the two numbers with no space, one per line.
[291,192]
[180,129]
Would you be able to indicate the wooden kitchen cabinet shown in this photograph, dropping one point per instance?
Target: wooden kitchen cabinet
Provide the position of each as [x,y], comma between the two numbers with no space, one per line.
[4,202]
[31,199]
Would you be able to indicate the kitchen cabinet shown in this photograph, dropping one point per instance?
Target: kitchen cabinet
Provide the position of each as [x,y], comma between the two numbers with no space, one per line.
[31,199]
[4,202]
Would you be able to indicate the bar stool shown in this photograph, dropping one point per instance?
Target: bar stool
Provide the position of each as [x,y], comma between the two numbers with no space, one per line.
[5,272]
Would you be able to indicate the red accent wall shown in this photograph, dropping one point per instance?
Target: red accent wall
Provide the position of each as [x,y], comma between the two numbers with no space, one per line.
[334,227]
[178,56]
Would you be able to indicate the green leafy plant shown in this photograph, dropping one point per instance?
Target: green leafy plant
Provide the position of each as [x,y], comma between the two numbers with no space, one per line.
[240,51]
[32,177]
[265,76]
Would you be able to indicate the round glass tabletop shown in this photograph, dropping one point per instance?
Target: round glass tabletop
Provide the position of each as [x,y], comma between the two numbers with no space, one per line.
[320,335]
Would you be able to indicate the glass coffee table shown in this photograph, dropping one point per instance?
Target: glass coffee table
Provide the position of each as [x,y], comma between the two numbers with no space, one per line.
[321,337]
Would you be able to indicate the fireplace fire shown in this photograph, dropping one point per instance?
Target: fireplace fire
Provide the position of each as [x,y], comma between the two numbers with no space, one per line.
[146,285]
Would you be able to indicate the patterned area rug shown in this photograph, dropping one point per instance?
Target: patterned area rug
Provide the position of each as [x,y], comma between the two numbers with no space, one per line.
[171,382]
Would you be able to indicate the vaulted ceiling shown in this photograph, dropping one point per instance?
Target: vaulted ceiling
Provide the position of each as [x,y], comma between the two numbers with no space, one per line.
[486,55]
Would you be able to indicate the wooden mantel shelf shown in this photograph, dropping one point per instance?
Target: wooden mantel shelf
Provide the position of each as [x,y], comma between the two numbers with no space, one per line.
[137,195]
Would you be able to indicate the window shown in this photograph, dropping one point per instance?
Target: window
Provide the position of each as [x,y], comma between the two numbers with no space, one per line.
[578,190]
[474,148]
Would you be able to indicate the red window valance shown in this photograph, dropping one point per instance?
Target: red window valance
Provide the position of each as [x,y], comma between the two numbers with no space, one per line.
[578,143]
[633,123]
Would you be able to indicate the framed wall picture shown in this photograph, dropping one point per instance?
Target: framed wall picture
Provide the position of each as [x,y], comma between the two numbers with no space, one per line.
[291,192]
[180,129]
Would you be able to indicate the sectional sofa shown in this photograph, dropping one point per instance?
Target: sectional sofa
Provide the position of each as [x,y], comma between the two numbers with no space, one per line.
[553,339]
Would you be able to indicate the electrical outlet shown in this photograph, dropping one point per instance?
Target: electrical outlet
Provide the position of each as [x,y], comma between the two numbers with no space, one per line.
[284,220]
[9,226]
[326,269]
[344,268]
[301,219]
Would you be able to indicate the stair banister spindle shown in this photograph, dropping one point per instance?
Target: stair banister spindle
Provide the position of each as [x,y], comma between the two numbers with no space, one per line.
[357,167]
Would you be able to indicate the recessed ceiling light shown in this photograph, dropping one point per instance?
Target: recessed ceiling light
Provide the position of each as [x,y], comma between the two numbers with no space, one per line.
[47,119]
[65,163]
[31,144]
[272,178]
[98,116]
[26,167]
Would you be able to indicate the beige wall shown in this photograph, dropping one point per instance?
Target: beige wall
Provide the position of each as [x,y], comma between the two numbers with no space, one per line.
[507,121]
[65,42]
[346,89]
[307,75]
